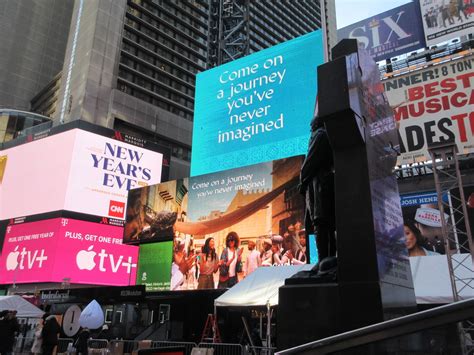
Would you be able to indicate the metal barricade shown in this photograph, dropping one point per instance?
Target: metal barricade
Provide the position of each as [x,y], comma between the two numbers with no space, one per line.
[97,346]
[224,349]
[122,347]
[23,345]
[187,345]
[64,345]
[259,350]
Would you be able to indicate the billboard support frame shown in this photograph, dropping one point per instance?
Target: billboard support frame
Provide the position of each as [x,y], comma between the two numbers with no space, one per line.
[447,176]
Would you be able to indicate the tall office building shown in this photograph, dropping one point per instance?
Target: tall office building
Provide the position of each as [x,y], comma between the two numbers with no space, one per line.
[32,46]
[272,22]
[241,27]
[131,64]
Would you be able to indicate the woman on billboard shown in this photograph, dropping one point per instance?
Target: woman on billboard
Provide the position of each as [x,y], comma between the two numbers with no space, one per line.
[208,265]
[230,263]
[414,241]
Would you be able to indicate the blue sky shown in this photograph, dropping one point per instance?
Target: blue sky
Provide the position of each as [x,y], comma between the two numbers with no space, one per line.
[350,11]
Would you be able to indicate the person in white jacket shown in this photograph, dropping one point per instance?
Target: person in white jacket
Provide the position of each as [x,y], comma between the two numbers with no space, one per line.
[253,259]
[38,342]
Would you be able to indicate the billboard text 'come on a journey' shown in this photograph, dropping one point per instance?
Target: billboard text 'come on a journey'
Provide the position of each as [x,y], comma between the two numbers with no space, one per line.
[257,108]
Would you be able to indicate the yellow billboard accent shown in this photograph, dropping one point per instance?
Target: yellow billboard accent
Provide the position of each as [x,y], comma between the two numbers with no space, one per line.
[3,165]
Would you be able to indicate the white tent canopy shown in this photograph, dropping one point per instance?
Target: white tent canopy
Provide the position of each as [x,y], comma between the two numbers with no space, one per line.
[260,287]
[430,278]
[432,281]
[24,308]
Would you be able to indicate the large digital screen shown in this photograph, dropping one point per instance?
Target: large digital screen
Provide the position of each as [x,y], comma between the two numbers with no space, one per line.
[391,33]
[64,249]
[154,266]
[77,171]
[433,105]
[257,108]
[258,206]
[444,20]
[35,176]
[153,210]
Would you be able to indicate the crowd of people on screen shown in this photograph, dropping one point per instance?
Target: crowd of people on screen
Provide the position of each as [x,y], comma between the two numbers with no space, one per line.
[208,269]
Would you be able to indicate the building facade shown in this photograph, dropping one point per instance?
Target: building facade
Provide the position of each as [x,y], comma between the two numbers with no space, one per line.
[130,65]
[14,123]
[33,45]
[241,27]
[273,22]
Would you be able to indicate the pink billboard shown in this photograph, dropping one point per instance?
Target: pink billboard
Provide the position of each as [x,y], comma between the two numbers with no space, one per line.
[42,161]
[76,171]
[64,249]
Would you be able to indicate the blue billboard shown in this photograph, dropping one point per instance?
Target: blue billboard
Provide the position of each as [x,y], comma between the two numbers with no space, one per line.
[391,33]
[257,108]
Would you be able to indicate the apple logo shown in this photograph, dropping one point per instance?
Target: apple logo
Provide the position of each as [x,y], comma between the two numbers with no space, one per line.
[12,259]
[85,259]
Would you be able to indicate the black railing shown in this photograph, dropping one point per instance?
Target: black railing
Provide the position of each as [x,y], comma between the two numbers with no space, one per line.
[406,171]
[434,331]
[426,56]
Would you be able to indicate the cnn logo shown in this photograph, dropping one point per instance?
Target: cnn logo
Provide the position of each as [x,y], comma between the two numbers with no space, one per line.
[117,209]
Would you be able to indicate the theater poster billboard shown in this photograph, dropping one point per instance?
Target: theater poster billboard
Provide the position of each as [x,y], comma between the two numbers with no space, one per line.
[423,227]
[389,34]
[427,247]
[256,206]
[257,108]
[433,105]
[446,19]
[422,224]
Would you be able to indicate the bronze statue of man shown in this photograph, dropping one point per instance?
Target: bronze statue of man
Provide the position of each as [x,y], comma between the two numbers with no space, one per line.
[317,184]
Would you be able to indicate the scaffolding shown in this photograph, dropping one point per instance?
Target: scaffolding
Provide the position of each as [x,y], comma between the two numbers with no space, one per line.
[228,31]
[456,232]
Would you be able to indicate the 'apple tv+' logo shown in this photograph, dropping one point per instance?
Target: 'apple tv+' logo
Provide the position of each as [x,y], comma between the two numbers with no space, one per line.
[85,260]
[17,259]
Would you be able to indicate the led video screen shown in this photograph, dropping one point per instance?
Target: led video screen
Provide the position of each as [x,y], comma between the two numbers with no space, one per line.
[64,249]
[257,206]
[257,108]
[77,171]
[154,266]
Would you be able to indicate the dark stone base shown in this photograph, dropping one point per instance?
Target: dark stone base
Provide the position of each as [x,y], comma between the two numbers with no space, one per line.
[308,312]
